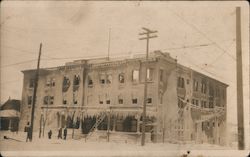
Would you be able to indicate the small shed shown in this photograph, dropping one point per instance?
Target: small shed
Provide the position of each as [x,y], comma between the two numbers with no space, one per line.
[10,115]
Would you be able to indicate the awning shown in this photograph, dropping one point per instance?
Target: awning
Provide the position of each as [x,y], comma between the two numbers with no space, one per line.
[9,113]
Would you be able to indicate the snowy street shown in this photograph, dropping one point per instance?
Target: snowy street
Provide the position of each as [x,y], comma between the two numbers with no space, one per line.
[70,147]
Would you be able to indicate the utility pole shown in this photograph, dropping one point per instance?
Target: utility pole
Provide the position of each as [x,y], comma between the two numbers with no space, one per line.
[147,32]
[109,43]
[34,92]
[240,110]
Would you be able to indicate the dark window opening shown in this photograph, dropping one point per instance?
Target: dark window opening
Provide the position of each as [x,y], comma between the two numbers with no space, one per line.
[107,101]
[76,80]
[149,100]
[102,79]
[196,85]
[66,84]
[100,102]
[29,100]
[181,83]
[134,101]
[64,102]
[90,81]
[120,101]
[31,83]
[109,79]
[121,78]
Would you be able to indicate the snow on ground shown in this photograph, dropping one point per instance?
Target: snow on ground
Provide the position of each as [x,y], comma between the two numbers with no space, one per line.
[69,147]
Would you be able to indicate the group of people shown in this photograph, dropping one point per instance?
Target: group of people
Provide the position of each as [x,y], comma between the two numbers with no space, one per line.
[29,134]
[59,136]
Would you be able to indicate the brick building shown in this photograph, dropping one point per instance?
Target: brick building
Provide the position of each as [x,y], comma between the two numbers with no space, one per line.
[103,98]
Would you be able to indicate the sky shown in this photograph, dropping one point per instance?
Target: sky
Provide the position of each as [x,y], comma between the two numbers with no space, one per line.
[80,29]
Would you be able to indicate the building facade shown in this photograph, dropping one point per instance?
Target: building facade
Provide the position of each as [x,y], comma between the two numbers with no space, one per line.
[103,99]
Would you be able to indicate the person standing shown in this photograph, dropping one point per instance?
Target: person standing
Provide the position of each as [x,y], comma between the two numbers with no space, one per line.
[49,134]
[65,133]
[28,130]
[60,133]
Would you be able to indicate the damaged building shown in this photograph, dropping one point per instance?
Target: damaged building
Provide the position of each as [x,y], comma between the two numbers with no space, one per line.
[102,99]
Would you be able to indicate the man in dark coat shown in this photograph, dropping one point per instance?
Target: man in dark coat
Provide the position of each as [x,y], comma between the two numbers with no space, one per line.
[65,133]
[60,133]
[28,130]
[49,134]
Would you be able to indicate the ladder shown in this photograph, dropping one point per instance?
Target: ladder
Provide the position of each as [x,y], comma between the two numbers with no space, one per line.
[98,122]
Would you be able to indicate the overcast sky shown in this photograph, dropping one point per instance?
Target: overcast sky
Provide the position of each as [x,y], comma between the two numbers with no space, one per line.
[75,30]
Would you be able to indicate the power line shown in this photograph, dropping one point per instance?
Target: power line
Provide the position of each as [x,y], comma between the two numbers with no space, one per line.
[203,34]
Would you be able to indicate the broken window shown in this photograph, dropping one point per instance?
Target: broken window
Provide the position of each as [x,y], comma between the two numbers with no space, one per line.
[102,78]
[109,79]
[66,84]
[150,74]
[121,78]
[90,81]
[76,80]
[135,75]
[31,83]
[29,100]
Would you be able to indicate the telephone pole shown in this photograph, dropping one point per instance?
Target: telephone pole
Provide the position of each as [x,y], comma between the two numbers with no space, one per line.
[146,32]
[34,92]
[240,104]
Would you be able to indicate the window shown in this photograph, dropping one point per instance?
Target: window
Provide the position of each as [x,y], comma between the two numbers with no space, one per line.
[53,82]
[75,94]
[51,100]
[48,83]
[121,78]
[29,100]
[203,86]
[193,101]
[197,102]
[120,100]
[90,81]
[107,101]
[161,75]
[149,100]
[102,79]
[135,75]
[211,90]
[181,82]
[150,74]
[64,101]
[211,104]
[47,100]
[217,92]
[134,101]
[180,103]
[66,84]
[100,99]
[196,85]
[187,81]
[109,79]
[31,83]
[161,98]
[76,81]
